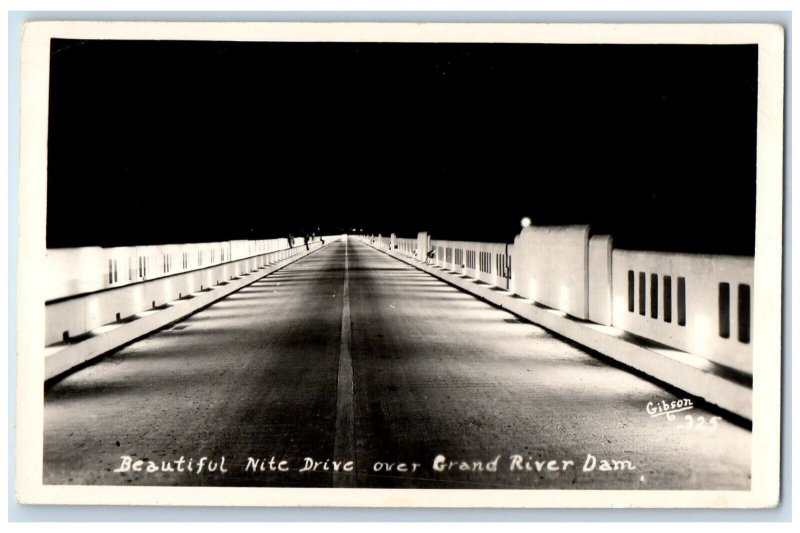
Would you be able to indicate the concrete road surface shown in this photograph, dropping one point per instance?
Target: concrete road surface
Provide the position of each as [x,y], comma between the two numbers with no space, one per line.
[350,368]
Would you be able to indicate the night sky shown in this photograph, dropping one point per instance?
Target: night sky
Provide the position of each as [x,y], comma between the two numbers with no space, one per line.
[170,142]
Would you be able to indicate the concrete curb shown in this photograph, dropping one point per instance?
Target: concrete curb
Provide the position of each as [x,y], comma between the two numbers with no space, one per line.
[73,355]
[684,371]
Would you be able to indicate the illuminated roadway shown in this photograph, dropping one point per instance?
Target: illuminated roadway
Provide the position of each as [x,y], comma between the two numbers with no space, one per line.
[351,355]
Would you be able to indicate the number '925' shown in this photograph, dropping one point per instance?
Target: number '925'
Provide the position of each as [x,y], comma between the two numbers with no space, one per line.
[700,422]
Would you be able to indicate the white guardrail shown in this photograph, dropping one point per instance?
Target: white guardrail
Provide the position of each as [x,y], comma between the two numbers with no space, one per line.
[90,287]
[700,304]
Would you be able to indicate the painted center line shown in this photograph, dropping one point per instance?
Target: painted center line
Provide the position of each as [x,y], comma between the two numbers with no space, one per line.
[344,440]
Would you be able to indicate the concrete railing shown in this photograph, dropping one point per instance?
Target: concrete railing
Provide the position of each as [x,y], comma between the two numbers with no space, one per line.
[486,262]
[699,304]
[90,287]
[125,306]
[482,261]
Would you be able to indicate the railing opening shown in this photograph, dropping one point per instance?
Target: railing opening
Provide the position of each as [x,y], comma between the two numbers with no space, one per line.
[667,298]
[642,293]
[653,295]
[724,310]
[744,313]
[630,291]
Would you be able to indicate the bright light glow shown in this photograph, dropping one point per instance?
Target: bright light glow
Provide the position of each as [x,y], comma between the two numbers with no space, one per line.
[564,298]
[533,290]
[702,334]
[525,222]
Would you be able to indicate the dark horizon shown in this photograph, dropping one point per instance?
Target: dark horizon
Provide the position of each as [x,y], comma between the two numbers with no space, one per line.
[655,144]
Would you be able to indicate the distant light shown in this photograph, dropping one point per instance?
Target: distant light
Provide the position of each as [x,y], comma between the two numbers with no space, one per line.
[525,222]
[354,229]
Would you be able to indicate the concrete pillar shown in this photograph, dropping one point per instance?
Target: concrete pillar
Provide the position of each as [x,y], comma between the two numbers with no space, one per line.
[600,289]
[423,246]
[550,266]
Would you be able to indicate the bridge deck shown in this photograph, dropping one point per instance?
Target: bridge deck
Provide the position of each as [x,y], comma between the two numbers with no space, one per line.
[422,370]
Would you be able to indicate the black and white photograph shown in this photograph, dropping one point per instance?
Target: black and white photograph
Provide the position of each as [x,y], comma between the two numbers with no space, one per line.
[483,265]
